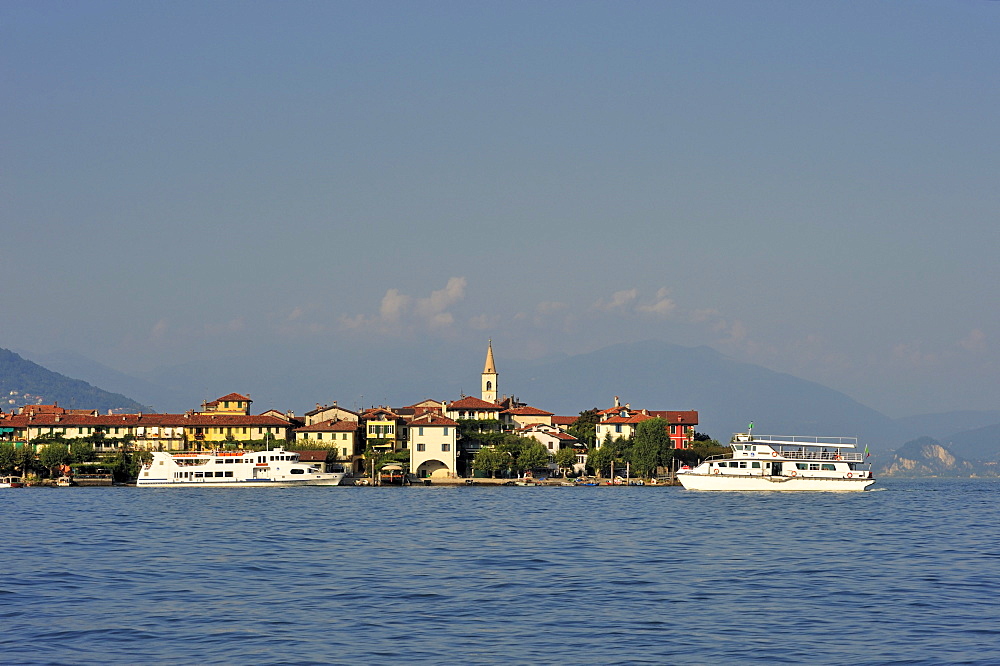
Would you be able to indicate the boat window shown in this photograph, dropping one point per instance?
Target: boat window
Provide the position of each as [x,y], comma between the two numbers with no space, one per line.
[298,471]
[743,464]
[755,464]
[814,466]
[229,473]
[828,467]
[801,466]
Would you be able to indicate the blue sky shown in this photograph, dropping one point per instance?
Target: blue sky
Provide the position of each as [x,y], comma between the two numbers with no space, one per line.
[812,187]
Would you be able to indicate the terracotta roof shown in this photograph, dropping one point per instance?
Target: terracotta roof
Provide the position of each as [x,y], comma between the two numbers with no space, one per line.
[689,417]
[311,456]
[232,397]
[431,419]
[469,402]
[377,412]
[564,420]
[330,425]
[527,411]
[134,420]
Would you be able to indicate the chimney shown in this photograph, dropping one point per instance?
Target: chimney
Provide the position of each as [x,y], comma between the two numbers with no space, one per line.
[617,404]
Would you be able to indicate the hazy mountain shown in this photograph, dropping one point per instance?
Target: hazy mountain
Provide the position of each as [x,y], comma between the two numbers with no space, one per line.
[945,424]
[927,457]
[25,382]
[71,364]
[728,394]
[979,444]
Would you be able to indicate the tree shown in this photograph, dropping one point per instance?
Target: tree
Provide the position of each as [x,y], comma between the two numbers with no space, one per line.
[490,461]
[652,446]
[533,456]
[565,459]
[585,427]
[53,456]
[6,458]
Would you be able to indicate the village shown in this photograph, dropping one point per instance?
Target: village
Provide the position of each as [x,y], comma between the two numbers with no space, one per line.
[430,441]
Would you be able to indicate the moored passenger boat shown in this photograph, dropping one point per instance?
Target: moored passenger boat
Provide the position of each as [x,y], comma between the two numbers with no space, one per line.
[11,482]
[767,462]
[228,469]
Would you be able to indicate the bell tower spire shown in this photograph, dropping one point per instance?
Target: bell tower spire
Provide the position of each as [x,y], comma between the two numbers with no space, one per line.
[490,376]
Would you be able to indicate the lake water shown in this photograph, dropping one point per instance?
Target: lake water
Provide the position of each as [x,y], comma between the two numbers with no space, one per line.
[909,573]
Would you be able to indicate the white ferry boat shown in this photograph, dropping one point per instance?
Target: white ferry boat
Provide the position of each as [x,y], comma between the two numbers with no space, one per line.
[768,462]
[228,469]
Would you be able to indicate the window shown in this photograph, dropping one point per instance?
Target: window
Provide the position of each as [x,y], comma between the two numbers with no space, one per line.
[229,473]
[618,428]
[420,431]
[829,467]
[421,447]
[298,471]
[755,464]
[345,451]
[814,466]
[801,466]
[445,432]
[446,447]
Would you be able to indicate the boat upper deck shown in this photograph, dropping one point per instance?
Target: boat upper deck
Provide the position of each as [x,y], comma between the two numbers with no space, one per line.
[796,440]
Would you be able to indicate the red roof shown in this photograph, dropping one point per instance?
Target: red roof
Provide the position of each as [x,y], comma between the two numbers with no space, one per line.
[433,419]
[232,397]
[564,420]
[469,402]
[132,420]
[330,425]
[527,411]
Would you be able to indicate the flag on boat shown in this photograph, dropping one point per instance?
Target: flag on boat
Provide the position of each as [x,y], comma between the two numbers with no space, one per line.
[866,451]
[751,425]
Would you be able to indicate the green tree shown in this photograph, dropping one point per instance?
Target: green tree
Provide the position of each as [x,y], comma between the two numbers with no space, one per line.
[533,456]
[7,456]
[584,428]
[53,455]
[490,461]
[565,459]
[651,446]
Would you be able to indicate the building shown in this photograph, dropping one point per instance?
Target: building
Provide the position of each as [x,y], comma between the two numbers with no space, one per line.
[328,413]
[622,420]
[341,436]
[433,441]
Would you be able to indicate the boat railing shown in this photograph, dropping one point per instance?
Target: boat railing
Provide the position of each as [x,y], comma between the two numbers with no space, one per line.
[805,440]
[820,455]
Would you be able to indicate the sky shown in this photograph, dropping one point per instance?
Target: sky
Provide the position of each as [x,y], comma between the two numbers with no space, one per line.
[811,187]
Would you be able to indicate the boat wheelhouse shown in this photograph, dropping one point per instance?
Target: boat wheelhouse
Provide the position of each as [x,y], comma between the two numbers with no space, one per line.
[228,469]
[769,462]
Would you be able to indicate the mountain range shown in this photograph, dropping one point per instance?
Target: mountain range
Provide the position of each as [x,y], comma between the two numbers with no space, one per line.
[727,393]
[25,382]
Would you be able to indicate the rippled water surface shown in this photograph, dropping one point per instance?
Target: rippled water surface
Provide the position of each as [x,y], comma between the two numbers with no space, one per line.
[909,573]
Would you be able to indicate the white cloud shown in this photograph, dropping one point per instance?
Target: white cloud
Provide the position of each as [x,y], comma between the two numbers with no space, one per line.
[662,306]
[619,300]
[401,313]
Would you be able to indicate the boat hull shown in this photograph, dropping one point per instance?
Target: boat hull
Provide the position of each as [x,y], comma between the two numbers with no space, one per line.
[742,483]
[327,480]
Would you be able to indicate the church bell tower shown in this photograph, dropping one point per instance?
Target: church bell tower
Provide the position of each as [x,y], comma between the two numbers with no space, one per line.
[490,376]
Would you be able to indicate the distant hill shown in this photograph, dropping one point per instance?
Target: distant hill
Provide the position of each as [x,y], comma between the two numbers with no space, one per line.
[728,394]
[160,398]
[24,382]
[979,444]
[928,457]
